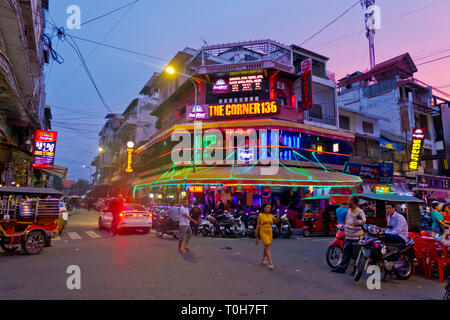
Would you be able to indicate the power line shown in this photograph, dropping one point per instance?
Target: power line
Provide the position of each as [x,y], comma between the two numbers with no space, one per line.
[121,49]
[333,21]
[91,53]
[108,13]
[437,59]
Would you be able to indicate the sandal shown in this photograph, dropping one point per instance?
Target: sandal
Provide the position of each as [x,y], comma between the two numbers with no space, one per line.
[187,250]
[264,263]
[271,267]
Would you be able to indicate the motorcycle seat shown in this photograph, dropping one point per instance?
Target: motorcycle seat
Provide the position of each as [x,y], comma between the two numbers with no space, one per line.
[397,245]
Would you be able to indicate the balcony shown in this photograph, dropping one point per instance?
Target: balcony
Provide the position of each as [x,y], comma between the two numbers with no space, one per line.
[322,118]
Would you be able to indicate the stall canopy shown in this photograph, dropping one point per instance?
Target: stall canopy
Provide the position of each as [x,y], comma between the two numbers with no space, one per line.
[249,175]
[389,197]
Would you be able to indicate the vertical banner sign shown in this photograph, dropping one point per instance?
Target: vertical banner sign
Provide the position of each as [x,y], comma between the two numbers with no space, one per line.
[306,76]
[129,169]
[418,135]
[44,149]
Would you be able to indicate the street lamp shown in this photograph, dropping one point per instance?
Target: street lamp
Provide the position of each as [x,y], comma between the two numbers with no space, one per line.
[90,169]
[171,70]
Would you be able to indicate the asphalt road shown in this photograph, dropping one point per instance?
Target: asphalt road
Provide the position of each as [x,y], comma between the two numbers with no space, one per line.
[139,266]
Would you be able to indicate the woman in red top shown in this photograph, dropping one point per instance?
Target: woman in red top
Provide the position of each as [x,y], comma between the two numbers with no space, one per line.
[446,213]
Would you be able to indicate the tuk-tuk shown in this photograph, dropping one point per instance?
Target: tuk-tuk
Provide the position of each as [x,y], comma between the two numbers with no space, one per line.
[320,213]
[375,209]
[29,218]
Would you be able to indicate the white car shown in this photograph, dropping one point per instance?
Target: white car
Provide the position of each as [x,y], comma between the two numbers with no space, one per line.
[63,211]
[133,216]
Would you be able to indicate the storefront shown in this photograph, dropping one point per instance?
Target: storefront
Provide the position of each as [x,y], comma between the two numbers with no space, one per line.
[430,187]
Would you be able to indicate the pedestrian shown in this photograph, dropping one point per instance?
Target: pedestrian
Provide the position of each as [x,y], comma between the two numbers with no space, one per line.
[341,213]
[173,213]
[397,231]
[353,232]
[185,228]
[438,225]
[115,207]
[446,213]
[264,228]
[195,214]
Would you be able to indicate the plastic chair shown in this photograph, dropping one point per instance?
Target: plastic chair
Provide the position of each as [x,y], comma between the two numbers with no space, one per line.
[419,252]
[438,256]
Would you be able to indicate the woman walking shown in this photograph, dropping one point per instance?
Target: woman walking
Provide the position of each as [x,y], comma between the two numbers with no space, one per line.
[264,228]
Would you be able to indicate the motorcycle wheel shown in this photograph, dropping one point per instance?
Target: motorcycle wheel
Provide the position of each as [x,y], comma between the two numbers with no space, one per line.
[213,232]
[446,296]
[334,256]
[306,233]
[406,269]
[289,234]
[205,232]
[6,247]
[361,265]
[159,231]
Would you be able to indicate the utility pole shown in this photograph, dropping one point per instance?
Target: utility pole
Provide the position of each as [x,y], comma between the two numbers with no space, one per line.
[370,17]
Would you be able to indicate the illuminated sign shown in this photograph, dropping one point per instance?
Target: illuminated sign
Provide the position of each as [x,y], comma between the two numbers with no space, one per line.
[246,154]
[220,86]
[196,188]
[246,83]
[383,189]
[418,136]
[129,169]
[306,76]
[432,182]
[243,109]
[44,149]
[197,112]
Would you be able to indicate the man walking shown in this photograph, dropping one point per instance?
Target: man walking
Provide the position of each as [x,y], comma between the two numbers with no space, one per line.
[185,228]
[115,207]
[353,232]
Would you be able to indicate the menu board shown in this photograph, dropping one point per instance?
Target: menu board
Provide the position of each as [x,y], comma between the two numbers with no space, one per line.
[246,83]
[44,149]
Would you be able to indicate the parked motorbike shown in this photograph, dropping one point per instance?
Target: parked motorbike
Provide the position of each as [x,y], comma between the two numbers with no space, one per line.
[252,219]
[425,222]
[284,227]
[209,227]
[336,247]
[165,225]
[389,257]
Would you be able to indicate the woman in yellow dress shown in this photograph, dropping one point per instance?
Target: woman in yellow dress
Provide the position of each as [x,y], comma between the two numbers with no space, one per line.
[264,228]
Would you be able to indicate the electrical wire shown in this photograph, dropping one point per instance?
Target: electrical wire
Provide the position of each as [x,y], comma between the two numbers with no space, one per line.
[437,59]
[111,12]
[333,21]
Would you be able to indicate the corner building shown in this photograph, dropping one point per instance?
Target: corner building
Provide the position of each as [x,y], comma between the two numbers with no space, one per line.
[249,93]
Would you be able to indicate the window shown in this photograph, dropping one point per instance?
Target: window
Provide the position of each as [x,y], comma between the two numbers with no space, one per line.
[344,122]
[316,111]
[367,127]
[282,100]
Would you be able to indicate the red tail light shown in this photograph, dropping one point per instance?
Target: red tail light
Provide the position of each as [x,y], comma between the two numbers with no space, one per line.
[121,214]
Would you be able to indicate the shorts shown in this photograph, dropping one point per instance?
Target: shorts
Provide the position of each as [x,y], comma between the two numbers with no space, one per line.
[185,231]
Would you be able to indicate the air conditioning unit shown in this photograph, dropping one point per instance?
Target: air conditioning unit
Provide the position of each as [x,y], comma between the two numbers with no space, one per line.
[280,85]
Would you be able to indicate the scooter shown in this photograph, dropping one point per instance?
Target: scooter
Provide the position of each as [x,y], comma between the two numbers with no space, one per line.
[396,258]
[336,247]
[165,225]
[284,227]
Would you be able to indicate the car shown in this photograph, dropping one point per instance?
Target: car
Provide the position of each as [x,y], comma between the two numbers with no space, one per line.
[133,216]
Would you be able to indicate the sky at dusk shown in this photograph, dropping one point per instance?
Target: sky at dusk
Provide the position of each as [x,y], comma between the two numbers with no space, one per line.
[162,28]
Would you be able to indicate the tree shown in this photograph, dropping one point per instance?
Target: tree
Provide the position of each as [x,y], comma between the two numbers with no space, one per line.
[58,183]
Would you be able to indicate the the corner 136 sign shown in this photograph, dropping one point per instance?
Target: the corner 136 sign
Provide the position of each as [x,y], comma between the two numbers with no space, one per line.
[44,149]
[418,135]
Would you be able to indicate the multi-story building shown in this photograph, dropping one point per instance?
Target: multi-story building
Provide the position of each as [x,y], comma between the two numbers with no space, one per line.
[22,96]
[249,94]
[390,91]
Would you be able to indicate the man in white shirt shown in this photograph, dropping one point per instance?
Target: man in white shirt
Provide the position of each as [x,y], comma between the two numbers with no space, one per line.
[399,231]
[185,228]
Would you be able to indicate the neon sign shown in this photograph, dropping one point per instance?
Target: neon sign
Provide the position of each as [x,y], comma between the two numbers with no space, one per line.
[246,83]
[44,149]
[418,136]
[383,189]
[220,86]
[197,112]
[129,169]
[243,109]
[196,188]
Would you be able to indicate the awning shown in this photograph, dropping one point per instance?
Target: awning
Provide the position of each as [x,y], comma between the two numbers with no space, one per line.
[57,171]
[390,145]
[249,175]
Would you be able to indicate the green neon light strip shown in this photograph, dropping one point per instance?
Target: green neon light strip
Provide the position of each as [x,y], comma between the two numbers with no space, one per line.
[209,168]
[314,155]
[261,184]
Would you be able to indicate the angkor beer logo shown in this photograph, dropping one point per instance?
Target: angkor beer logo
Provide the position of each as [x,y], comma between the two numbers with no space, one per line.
[234,144]
[220,86]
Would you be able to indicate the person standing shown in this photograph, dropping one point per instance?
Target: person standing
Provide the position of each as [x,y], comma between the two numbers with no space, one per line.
[353,232]
[341,213]
[446,213]
[185,228]
[115,207]
[438,225]
[264,228]
[195,214]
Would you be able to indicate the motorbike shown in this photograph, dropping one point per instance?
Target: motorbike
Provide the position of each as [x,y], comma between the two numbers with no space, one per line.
[389,257]
[336,247]
[284,227]
[209,227]
[252,219]
[425,222]
[165,225]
